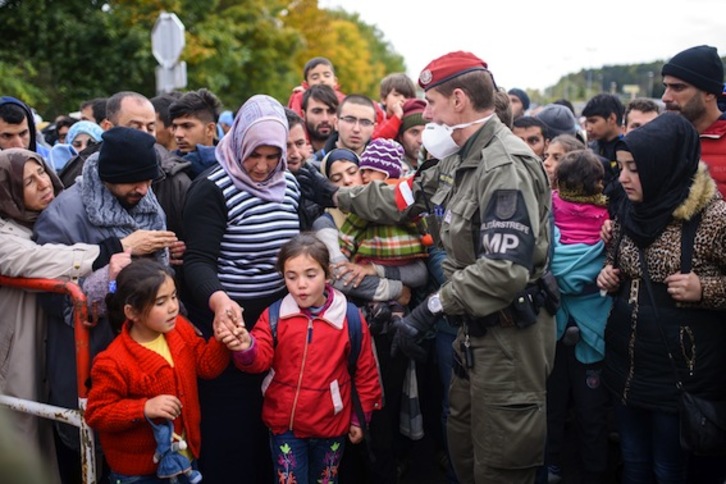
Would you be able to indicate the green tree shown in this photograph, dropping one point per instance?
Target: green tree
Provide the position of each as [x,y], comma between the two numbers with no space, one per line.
[56,54]
[69,51]
[242,49]
[358,51]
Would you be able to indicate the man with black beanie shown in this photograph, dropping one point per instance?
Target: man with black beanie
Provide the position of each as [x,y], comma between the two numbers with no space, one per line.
[693,81]
[112,205]
[519,101]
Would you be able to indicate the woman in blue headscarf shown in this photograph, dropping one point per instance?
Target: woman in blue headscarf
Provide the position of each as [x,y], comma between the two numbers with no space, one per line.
[79,135]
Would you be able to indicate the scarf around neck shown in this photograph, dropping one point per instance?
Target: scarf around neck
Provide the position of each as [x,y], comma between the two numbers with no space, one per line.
[104,210]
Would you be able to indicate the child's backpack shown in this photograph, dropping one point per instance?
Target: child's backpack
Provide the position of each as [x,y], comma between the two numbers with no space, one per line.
[354,335]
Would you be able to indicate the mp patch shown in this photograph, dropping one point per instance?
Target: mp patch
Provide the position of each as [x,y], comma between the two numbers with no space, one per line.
[506,231]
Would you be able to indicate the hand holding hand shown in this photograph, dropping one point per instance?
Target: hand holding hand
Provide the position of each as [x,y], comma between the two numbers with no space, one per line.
[685,287]
[227,313]
[239,342]
[163,406]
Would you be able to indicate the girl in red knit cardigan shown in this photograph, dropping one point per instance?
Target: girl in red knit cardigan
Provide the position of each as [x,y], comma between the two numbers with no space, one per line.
[149,371]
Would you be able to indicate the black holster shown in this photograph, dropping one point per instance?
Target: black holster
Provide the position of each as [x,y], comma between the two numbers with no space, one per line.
[522,312]
[551,292]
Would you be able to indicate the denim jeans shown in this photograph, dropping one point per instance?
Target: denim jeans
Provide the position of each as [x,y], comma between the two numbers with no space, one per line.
[650,446]
[306,461]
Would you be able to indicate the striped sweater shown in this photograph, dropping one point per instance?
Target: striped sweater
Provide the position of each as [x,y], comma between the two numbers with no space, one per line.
[233,238]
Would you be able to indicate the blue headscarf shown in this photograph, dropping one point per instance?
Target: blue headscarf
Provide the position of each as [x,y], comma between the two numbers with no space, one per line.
[91,129]
[62,153]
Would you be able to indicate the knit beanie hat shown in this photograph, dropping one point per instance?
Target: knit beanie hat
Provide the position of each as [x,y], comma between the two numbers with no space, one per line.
[412,114]
[559,120]
[337,154]
[383,155]
[127,156]
[699,66]
[521,95]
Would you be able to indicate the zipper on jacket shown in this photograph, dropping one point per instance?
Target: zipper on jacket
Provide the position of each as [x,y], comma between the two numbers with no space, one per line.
[308,339]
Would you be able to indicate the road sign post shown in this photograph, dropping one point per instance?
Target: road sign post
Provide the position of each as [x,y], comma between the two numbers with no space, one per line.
[167,44]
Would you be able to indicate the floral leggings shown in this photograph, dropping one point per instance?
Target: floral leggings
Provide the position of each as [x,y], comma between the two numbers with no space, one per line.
[304,461]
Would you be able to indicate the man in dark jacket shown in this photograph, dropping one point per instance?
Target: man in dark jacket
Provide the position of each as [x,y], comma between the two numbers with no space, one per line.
[193,119]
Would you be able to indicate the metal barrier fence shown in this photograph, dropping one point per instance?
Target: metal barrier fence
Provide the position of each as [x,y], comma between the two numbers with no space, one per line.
[83,367]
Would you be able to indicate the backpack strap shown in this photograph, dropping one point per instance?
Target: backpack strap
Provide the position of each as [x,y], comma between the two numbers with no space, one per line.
[354,331]
[354,335]
[273,317]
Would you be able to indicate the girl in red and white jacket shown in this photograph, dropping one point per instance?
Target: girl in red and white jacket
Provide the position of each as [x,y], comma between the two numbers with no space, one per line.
[148,372]
[307,403]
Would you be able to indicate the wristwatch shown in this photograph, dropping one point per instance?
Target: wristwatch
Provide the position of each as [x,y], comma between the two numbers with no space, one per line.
[434,304]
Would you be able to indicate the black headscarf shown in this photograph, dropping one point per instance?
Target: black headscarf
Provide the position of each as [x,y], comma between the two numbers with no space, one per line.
[12,190]
[666,153]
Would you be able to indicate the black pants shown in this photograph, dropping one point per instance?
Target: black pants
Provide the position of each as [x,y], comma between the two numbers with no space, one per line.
[580,384]
[386,442]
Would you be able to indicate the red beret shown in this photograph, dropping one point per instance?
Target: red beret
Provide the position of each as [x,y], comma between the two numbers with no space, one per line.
[448,67]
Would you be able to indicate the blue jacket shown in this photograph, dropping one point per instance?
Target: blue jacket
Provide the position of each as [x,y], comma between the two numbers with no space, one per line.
[576,266]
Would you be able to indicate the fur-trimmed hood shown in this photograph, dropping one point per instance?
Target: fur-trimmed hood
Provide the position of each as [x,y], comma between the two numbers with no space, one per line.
[702,191]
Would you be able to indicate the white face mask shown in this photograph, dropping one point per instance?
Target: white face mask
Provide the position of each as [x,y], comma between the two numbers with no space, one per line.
[437,138]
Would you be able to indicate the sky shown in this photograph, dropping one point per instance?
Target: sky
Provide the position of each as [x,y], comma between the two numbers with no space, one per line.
[530,44]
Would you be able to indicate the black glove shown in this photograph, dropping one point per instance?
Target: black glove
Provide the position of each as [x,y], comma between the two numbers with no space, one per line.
[315,187]
[411,330]
[407,339]
[378,316]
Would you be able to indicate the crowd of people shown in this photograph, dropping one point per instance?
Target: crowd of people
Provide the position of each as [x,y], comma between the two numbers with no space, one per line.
[299,294]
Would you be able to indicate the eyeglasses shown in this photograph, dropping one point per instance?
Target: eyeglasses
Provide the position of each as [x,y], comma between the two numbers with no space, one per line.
[364,123]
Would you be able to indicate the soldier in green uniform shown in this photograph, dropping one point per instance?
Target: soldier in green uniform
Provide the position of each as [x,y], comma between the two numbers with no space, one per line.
[492,199]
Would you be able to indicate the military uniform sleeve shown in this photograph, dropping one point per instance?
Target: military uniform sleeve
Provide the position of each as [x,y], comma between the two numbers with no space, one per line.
[390,204]
[497,237]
